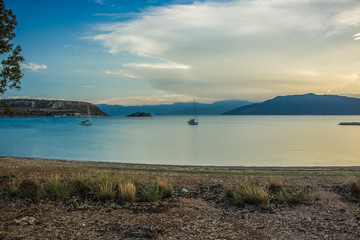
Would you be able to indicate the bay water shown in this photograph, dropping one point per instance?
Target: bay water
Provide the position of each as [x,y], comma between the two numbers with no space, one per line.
[217,140]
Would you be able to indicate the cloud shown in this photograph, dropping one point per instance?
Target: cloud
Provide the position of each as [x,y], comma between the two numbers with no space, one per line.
[157,66]
[33,66]
[18,97]
[121,72]
[357,36]
[101,2]
[230,49]
[149,100]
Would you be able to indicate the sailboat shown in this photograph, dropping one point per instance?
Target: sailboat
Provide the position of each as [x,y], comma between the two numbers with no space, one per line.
[194,121]
[88,121]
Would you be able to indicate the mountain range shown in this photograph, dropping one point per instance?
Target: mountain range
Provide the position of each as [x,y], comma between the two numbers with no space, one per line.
[216,108]
[307,104]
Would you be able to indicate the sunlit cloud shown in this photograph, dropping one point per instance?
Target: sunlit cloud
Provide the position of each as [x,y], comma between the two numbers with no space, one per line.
[239,49]
[150,100]
[33,66]
[357,36]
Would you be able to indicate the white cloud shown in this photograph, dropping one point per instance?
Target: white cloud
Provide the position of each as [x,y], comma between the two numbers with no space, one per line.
[101,2]
[247,49]
[33,66]
[157,66]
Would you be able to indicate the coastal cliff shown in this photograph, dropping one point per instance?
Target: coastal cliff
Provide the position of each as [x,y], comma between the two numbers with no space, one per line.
[50,108]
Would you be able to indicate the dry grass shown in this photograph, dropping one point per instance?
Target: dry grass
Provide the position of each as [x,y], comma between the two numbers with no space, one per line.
[354,186]
[14,187]
[354,189]
[276,184]
[165,187]
[248,192]
[54,187]
[127,192]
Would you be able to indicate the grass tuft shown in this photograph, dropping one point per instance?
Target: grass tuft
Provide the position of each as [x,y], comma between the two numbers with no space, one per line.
[276,185]
[14,189]
[248,193]
[54,187]
[165,187]
[151,193]
[354,186]
[127,192]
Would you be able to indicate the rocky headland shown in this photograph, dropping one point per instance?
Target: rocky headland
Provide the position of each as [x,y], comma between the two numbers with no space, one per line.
[50,108]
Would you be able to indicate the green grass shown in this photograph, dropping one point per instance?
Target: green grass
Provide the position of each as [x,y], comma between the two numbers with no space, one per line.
[150,193]
[275,191]
[54,187]
[295,197]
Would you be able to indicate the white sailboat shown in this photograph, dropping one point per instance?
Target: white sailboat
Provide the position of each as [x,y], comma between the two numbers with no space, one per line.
[194,121]
[87,122]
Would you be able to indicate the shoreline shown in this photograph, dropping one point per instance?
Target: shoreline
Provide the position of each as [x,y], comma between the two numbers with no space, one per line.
[179,166]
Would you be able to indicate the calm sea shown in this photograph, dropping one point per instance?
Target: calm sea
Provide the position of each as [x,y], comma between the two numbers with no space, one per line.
[217,140]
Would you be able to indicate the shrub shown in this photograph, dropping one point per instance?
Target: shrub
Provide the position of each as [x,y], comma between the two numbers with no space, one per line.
[127,192]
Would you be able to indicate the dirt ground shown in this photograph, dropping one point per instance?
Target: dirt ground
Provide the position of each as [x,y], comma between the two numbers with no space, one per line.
[198,209]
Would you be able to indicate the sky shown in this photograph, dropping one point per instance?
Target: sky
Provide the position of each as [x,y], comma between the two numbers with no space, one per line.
[163,51]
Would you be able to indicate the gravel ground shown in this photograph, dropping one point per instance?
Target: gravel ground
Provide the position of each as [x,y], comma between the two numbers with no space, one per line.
[200,212]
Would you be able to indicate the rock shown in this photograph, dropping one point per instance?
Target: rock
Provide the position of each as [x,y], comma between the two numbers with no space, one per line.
[140,114]
[25,221]
[184,191]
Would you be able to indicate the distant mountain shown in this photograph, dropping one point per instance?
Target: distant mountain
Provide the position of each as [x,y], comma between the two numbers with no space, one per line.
[307,104]
[50,108]
[215,108]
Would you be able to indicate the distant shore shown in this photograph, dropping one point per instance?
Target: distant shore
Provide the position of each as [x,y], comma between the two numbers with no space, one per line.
[199,206]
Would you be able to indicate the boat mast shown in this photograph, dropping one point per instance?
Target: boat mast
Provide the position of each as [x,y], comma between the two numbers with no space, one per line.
[89,115]
[195,115]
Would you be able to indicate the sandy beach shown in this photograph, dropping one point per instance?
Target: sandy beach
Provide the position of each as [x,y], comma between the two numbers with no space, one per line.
[199,207]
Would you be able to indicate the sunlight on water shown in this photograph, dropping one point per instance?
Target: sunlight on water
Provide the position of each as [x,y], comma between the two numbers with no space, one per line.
[217,140]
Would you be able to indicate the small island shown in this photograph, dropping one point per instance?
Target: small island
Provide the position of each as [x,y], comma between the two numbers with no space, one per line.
[139,114]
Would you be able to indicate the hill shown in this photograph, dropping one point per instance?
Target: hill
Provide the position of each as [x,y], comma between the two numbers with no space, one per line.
[49,108]
[216,108]
[307,104]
